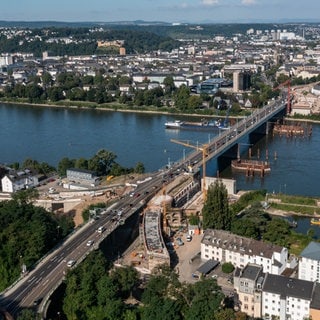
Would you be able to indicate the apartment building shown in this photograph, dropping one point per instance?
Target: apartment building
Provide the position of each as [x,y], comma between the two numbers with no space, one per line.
[286,298]
[309,263]
[224,246]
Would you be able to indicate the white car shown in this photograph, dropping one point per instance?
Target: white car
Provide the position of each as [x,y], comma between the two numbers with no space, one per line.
[71,263]
[101,229]
[90,243]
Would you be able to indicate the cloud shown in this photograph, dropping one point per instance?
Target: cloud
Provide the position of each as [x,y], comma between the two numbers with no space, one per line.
[248,2]
[209,2]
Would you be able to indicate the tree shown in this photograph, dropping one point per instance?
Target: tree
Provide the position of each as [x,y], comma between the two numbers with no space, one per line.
[28,314]
[81,163]
[126,279]
[102,162]
[23,197]
[181,98]
[215,212]
[139,168]
[205,298]
[194,102]
[277,232]
[225,314]
[47,79]
[169,86]
[64,164]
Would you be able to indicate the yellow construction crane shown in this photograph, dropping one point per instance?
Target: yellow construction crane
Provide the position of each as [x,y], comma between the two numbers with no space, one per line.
[204,149]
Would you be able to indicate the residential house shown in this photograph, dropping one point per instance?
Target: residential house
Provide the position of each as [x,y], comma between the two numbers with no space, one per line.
[18,180]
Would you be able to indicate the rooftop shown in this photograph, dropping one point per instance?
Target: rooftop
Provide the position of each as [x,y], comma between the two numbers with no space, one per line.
[288,287]
[232,242]
[312,251]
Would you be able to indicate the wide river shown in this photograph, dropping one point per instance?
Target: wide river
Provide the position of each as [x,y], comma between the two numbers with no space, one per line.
[49,134]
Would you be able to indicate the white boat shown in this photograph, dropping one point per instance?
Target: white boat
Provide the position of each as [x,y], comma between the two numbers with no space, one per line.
[173,124]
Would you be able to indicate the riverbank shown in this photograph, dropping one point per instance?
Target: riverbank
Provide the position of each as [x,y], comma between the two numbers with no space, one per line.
[124,108]
[120,108]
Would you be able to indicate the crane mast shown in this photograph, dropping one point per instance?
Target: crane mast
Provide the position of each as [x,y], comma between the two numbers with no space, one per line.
[204,149]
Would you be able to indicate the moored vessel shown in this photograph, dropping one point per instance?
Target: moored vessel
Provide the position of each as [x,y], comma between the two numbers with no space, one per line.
[315,221]
[189,125]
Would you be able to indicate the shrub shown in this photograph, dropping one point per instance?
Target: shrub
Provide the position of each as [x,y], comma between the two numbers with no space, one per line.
[227,267]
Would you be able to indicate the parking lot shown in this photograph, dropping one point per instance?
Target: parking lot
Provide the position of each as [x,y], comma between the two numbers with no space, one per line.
[189,261]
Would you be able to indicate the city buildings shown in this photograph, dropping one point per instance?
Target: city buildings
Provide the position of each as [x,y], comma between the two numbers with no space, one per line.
[270,296]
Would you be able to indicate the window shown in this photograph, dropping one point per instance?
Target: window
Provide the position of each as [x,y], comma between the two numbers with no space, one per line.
[246,298]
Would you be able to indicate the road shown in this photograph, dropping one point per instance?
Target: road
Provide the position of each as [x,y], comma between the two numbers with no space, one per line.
[48,274]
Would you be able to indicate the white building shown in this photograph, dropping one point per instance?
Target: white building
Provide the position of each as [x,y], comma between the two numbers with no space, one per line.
[309,263]
[19,180]
[224,246]
[286,298]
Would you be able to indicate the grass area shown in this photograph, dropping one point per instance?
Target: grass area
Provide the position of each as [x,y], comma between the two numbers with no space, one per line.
[299,209]
[296,204]
[294,199]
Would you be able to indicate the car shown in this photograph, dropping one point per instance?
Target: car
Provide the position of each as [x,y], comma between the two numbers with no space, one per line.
[71,263]
[37,302]
[90,243]
[101,229]
[188,237]
[214,276]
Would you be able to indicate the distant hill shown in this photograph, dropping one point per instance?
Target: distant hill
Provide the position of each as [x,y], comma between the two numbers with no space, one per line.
[46,24]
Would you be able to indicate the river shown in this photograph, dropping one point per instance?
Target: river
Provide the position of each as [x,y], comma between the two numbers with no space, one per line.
[49,134]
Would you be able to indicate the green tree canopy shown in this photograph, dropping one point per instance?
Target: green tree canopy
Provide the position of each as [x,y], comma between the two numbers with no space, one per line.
[215,212]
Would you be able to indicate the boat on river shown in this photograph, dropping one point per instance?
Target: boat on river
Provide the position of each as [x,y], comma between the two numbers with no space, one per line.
[188,125]
[315,221]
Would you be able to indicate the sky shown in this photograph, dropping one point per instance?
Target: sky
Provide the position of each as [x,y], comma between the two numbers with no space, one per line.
[173,11]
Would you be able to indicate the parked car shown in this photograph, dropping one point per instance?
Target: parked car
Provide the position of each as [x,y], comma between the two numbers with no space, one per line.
[189,237]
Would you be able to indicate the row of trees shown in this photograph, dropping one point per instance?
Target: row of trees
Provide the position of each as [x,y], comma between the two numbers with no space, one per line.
[102,163]
[27,233]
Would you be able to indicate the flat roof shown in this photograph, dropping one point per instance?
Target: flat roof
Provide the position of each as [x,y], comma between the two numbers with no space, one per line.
[207,266]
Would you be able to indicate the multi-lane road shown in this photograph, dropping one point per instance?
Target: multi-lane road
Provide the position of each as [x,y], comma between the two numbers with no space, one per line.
[36,286]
